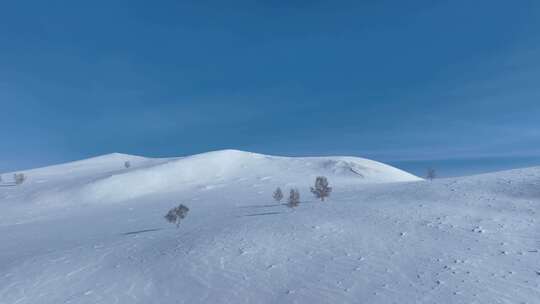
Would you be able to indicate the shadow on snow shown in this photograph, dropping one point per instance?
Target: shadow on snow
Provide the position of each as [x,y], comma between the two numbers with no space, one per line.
[265,213]
[141,231]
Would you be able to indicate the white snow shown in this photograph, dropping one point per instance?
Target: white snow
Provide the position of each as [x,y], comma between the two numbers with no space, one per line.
[93,231]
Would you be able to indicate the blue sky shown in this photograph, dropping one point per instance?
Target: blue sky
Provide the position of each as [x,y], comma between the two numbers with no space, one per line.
[391,80]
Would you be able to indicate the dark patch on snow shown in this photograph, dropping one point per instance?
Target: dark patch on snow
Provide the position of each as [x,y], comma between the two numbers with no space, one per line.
[141,231]
[261,206]
[355,172]
[265,213]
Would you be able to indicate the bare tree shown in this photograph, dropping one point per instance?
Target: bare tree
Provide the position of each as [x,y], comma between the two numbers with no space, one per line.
[321,189]
[278,195]
[430,175]
[294,198]
[176,214]
[127,164]
[19,178]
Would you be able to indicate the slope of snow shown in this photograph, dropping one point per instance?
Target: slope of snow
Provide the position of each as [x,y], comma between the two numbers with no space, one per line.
[94,233]
[105,180]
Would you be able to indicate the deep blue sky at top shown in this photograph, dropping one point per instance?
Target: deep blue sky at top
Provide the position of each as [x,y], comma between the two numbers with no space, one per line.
[389,80]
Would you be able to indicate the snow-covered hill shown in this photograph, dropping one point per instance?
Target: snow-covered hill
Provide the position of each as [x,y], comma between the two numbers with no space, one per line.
[93,232]
[104,179]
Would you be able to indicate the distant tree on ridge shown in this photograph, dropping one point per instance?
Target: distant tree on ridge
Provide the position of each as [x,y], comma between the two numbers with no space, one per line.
[19,178]
[431,174]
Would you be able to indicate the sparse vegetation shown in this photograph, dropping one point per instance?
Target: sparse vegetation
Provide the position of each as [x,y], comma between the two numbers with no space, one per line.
[294,198]
[176,214]
[321,189]
[431,174]
[278,195]
[19,178]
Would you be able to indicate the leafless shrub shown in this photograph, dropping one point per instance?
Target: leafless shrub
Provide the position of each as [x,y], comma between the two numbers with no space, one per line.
[176,214]
[294,198]
[321,189]
[278,195]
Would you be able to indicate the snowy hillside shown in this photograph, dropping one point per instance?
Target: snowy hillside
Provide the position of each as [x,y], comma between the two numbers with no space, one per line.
[105,180]
[93,231]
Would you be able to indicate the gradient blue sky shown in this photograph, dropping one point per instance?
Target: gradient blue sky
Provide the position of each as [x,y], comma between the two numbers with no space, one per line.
[389,80]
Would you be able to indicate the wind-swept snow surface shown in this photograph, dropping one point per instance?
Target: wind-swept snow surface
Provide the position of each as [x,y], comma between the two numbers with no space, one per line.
[93,232]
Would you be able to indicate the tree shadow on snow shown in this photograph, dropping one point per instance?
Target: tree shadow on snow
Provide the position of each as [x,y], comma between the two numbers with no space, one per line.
[141,231]
[261,206]
[265,213]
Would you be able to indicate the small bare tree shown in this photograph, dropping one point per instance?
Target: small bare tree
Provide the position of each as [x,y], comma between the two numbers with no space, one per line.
[127,164]
[176,214]
[430,175]
[19,178]
[294,198]
[321,189]
[278,195]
